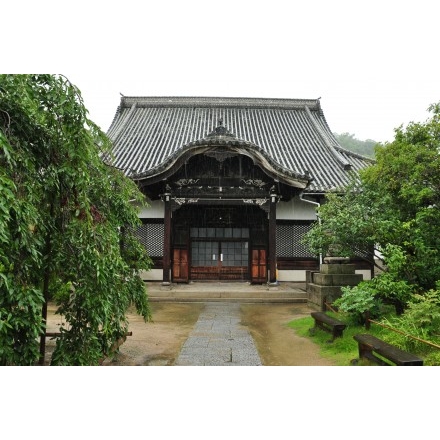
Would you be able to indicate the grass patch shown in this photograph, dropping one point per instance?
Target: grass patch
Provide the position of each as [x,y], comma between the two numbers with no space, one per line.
[343,350]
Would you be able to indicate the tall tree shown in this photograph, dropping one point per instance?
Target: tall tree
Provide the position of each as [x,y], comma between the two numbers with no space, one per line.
[62,213]
[350,142]
[395,206]
[407,173]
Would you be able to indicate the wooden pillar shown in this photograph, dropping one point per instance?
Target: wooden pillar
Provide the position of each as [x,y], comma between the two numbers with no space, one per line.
[272,239]
[167,239]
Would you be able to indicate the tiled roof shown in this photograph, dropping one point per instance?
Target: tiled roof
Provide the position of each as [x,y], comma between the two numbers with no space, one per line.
[291,133]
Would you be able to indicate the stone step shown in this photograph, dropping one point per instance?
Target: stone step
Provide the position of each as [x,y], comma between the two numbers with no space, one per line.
[227,299]
[243,292]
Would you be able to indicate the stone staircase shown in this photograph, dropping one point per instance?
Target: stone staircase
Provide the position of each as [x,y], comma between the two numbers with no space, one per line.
[283,292]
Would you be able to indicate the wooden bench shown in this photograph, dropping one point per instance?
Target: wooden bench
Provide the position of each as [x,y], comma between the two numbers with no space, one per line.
[369,344]
[328,324]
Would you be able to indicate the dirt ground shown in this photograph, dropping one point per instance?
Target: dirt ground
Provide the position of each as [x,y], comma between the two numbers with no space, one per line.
[278,344]
[158,343]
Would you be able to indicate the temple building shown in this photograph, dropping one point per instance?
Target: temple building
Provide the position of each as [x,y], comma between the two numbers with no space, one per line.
[233,184]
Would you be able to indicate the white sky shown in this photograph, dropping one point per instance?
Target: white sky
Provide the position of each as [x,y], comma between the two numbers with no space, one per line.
[374,64]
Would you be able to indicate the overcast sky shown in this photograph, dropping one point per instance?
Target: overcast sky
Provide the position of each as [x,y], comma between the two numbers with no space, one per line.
[374,64]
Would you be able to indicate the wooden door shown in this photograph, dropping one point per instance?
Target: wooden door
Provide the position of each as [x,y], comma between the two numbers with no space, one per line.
[180,265]
[259,266]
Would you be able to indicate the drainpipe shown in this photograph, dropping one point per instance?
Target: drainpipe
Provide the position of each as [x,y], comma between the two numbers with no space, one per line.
[301,197]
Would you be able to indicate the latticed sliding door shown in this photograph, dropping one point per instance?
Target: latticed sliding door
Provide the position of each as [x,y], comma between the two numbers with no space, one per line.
[219,254]
[234,260]
[205,260]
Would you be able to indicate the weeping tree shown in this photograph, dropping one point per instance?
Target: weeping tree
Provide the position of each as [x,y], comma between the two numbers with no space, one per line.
[67,222]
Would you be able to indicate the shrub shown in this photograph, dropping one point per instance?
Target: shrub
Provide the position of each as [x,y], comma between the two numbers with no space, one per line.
[421,319]
[357,300]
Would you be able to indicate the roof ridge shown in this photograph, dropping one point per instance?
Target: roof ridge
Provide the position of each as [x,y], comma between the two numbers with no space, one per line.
[345,164]
[177,101]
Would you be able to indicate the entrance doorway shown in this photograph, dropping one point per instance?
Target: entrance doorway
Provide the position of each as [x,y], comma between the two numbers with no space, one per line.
[219,253]
[214,243]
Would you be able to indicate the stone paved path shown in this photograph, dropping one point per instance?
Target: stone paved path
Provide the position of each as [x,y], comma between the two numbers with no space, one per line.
[218,339]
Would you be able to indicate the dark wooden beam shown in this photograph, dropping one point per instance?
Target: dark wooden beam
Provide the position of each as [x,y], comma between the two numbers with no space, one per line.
[272,239]
[167,238]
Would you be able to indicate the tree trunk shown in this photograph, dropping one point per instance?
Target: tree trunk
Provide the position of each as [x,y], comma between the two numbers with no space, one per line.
[46,280]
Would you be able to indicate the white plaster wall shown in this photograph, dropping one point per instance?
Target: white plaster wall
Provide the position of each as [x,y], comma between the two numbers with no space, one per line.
[292,275]
[296,209]
[155,210]
[151,275]
[366,273]
[300,275]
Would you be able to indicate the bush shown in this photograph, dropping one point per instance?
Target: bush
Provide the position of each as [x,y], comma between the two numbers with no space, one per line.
[421,319]
[357,300]
[432,359]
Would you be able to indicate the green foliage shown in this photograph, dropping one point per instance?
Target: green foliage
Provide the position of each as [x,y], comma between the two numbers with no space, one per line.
[348,141]
[342,351]
[21,243]
[432,358]
[393,208]
[408,168]
[408,173]
[62,213]
[357,300]
[373,295]
[20,322]
[347,226]
[421,320]
[424,311]
[392,286]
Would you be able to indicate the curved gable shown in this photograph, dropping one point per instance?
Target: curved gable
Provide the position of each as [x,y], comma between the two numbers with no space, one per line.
[289,139]
[221,143]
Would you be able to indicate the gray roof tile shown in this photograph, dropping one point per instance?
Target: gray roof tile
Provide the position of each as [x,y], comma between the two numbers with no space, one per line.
[147,131]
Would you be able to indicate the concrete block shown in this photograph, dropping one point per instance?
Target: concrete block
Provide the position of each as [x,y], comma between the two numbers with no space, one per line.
[338,268]
[337,279]
[347,280]
[317,295]
[323,279]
